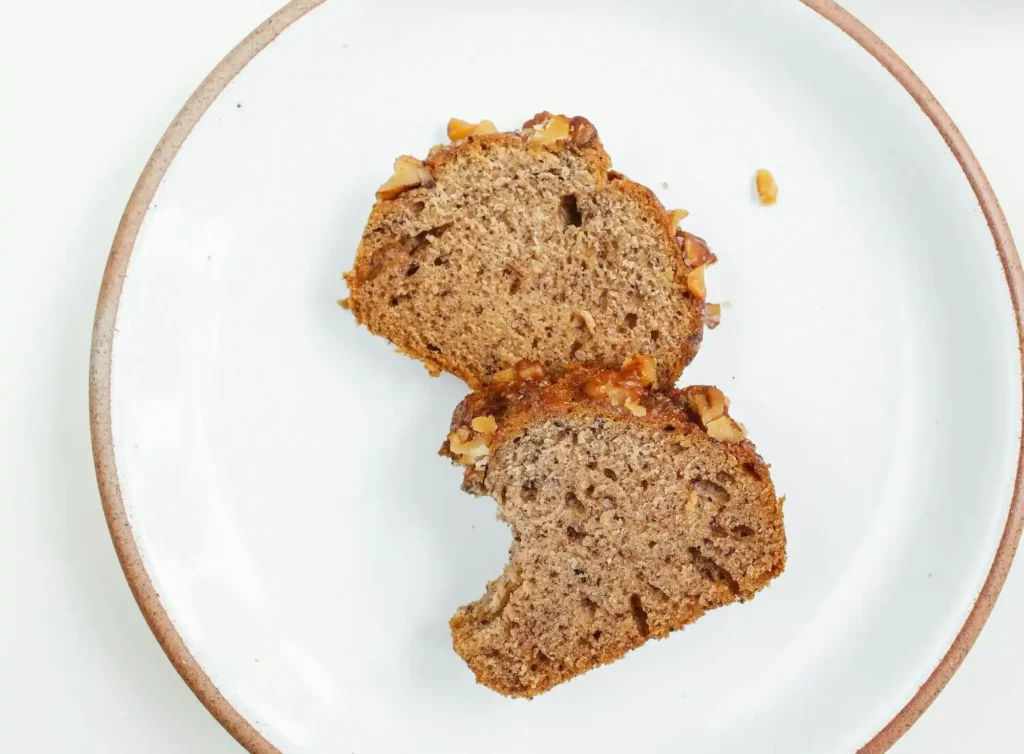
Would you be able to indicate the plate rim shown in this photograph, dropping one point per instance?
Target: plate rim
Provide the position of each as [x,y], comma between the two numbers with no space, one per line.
[101,354]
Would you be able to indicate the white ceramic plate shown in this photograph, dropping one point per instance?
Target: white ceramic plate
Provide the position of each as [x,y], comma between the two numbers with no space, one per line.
[269,470]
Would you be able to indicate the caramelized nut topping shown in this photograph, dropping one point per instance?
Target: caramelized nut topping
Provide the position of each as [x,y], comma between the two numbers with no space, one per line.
[408,173]
[582,131]
[504,376]
[695,250]
[695,282]
[542,117]
[550,131]
[471,452]
[484,424]
[709,404]
[767,188]
[644,367]
[624,388]
[529,370]
[677,215]
[460,129]
[724,429]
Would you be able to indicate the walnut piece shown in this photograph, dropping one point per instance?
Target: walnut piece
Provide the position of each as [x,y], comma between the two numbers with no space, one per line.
[504,376]
[522,370]
[644,367]
[767,188]
[695,282]
[529,370]
[471,452]
[677,215]
[695,250]
[724,429]
[582,131]
[710,404]
[484,424]
[549,131]
[408,173]
[542,117]
[624,388]
[712,315]
[460,129]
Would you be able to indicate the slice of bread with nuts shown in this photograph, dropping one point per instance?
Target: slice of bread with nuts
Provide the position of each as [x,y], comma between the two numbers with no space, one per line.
[502,247]
[633,511]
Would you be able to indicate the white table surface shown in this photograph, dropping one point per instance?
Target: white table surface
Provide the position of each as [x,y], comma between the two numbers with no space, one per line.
[86,90]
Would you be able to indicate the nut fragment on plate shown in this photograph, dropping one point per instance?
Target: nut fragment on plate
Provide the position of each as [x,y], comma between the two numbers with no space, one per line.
[460,129]
[695,282]
[767,188]
[408,173]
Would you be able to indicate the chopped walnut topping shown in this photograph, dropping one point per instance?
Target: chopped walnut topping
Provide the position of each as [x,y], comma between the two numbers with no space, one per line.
[582,131]
[529,370]
[724,429]
[484,424]
[624,388]
[644,367]
[676,216]
[709,404]
[409,173]
[522,370]
[550,131]
[695,250]
[471,451]
[460,129]
[504,376]
[634,408]
[436,149]
[767,188]
[695,282]
[542,117]
[712,315]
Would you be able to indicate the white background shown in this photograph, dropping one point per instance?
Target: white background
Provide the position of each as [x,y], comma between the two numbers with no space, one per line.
[86,90]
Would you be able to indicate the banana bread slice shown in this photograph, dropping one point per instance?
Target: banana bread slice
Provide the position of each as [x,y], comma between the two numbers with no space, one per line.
[524,246]
[633,511]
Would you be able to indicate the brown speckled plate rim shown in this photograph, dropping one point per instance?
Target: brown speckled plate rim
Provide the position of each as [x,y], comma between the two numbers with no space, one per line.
[113,280]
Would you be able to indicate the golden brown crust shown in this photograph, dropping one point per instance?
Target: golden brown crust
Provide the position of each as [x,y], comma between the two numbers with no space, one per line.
[583,141]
